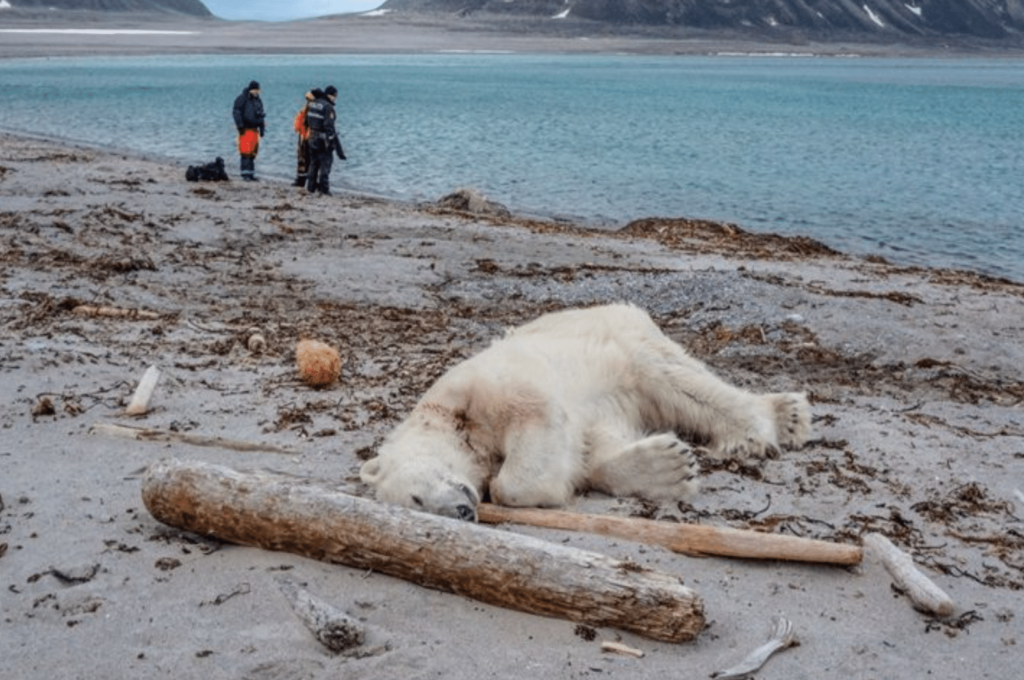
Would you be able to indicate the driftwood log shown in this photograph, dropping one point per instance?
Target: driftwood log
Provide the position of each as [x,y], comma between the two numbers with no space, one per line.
[278,512]
[922,591]
[689,539]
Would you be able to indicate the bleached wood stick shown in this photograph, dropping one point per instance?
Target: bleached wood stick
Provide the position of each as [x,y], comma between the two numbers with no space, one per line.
[144,392]
[689,539]
[333,628]
[89,310]
[921,590]
[146,434]
[782,637]
[619,648]
[279,512]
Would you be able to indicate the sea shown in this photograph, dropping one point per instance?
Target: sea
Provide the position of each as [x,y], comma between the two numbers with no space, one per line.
[920,161]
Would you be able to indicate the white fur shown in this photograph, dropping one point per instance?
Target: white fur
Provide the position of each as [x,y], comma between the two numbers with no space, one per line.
[583,399]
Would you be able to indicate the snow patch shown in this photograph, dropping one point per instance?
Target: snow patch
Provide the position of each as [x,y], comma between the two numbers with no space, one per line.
[4,4]
[915,10]
[772,22]
[376,13]
[563,14]
[874,17]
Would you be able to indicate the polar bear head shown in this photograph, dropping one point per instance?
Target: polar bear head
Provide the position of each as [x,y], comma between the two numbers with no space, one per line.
[421,483]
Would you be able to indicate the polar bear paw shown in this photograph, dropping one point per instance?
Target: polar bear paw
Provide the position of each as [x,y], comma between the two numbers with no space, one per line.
[792,419]
[659,468]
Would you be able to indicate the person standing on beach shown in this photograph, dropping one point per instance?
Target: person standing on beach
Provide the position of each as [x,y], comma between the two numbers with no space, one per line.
[302,129]
[323,141]
[249,119]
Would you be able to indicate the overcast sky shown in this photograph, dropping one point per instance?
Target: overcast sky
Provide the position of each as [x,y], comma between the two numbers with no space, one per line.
[283,10]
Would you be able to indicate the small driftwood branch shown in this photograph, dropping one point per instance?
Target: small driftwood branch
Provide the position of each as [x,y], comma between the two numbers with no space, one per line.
[90,310]
[619,648]
[278,512]
[333,628]
[782,637]
[689,539]
[922,591]
[146,434]
[144,392]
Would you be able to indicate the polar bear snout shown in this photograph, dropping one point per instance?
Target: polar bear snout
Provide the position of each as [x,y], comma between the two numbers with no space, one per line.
[458,502]
[422,484]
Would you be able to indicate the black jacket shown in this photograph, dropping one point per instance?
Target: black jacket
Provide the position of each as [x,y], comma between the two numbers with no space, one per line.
[248,112]
[320,118]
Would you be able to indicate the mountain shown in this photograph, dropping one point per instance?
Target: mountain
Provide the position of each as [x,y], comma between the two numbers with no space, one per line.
[989,19]
[190,7]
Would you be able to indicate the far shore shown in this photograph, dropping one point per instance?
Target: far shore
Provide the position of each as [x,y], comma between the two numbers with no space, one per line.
[76,34]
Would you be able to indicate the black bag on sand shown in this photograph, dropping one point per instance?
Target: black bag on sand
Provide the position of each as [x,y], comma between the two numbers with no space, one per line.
[211,172]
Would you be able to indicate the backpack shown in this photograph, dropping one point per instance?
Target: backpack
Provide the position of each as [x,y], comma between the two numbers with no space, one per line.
[211,172]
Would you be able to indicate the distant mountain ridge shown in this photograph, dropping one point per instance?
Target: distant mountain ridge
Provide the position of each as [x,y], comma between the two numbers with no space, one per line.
[190,7]
[990,19]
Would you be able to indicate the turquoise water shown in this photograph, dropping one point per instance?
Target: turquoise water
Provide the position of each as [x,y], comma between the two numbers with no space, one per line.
[921,161]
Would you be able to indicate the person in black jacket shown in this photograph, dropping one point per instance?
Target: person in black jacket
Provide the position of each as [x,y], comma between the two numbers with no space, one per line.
[249,119]
[323,141]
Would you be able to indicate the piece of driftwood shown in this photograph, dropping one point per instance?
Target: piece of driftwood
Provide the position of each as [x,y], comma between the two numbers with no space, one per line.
[782,637]
[144,392]
[621,649]
[90,310]
[278,512]
[922,591]
[333,628]
[689,539]
[147,434]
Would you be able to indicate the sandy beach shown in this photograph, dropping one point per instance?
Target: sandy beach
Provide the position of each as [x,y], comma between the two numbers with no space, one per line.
[915,378]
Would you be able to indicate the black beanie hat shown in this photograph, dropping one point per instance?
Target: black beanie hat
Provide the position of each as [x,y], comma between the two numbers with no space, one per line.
[331,91]
[317,92]
[254,85]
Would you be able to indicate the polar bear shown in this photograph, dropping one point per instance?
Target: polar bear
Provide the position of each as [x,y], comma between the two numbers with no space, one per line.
[595,398]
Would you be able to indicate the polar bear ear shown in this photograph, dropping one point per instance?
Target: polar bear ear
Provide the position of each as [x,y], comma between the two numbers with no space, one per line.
[371,472]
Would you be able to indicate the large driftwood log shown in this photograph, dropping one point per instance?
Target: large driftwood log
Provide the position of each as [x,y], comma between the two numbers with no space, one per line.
[278,512]
[689,539]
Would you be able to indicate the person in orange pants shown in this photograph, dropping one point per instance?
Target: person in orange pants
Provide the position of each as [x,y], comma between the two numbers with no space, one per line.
[249,119]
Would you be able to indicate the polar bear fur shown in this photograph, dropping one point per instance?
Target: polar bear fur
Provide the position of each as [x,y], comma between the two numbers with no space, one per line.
[594,398]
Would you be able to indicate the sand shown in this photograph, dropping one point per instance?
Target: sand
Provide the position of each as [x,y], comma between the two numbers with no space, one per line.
[915,377]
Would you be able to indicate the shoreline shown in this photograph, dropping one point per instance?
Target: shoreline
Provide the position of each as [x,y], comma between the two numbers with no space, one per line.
[915,379]
[555,221]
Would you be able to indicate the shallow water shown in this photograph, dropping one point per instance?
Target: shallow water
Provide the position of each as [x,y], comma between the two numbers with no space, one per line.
[916,160]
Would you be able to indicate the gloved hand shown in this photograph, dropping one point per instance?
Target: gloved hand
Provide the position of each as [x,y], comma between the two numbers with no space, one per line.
[341,155]
[241,131]
[262,130]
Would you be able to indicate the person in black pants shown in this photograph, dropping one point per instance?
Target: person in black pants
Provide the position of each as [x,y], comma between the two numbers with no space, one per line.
[249,119]
[323,141]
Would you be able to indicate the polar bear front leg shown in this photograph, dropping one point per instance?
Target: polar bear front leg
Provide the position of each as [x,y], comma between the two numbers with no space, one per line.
[756,426]
[543,467]
[660,467]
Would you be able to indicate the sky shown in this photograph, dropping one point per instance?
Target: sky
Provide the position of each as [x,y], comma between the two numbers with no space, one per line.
[284,10]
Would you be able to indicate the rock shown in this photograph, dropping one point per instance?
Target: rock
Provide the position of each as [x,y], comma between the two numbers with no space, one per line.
[472,201]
